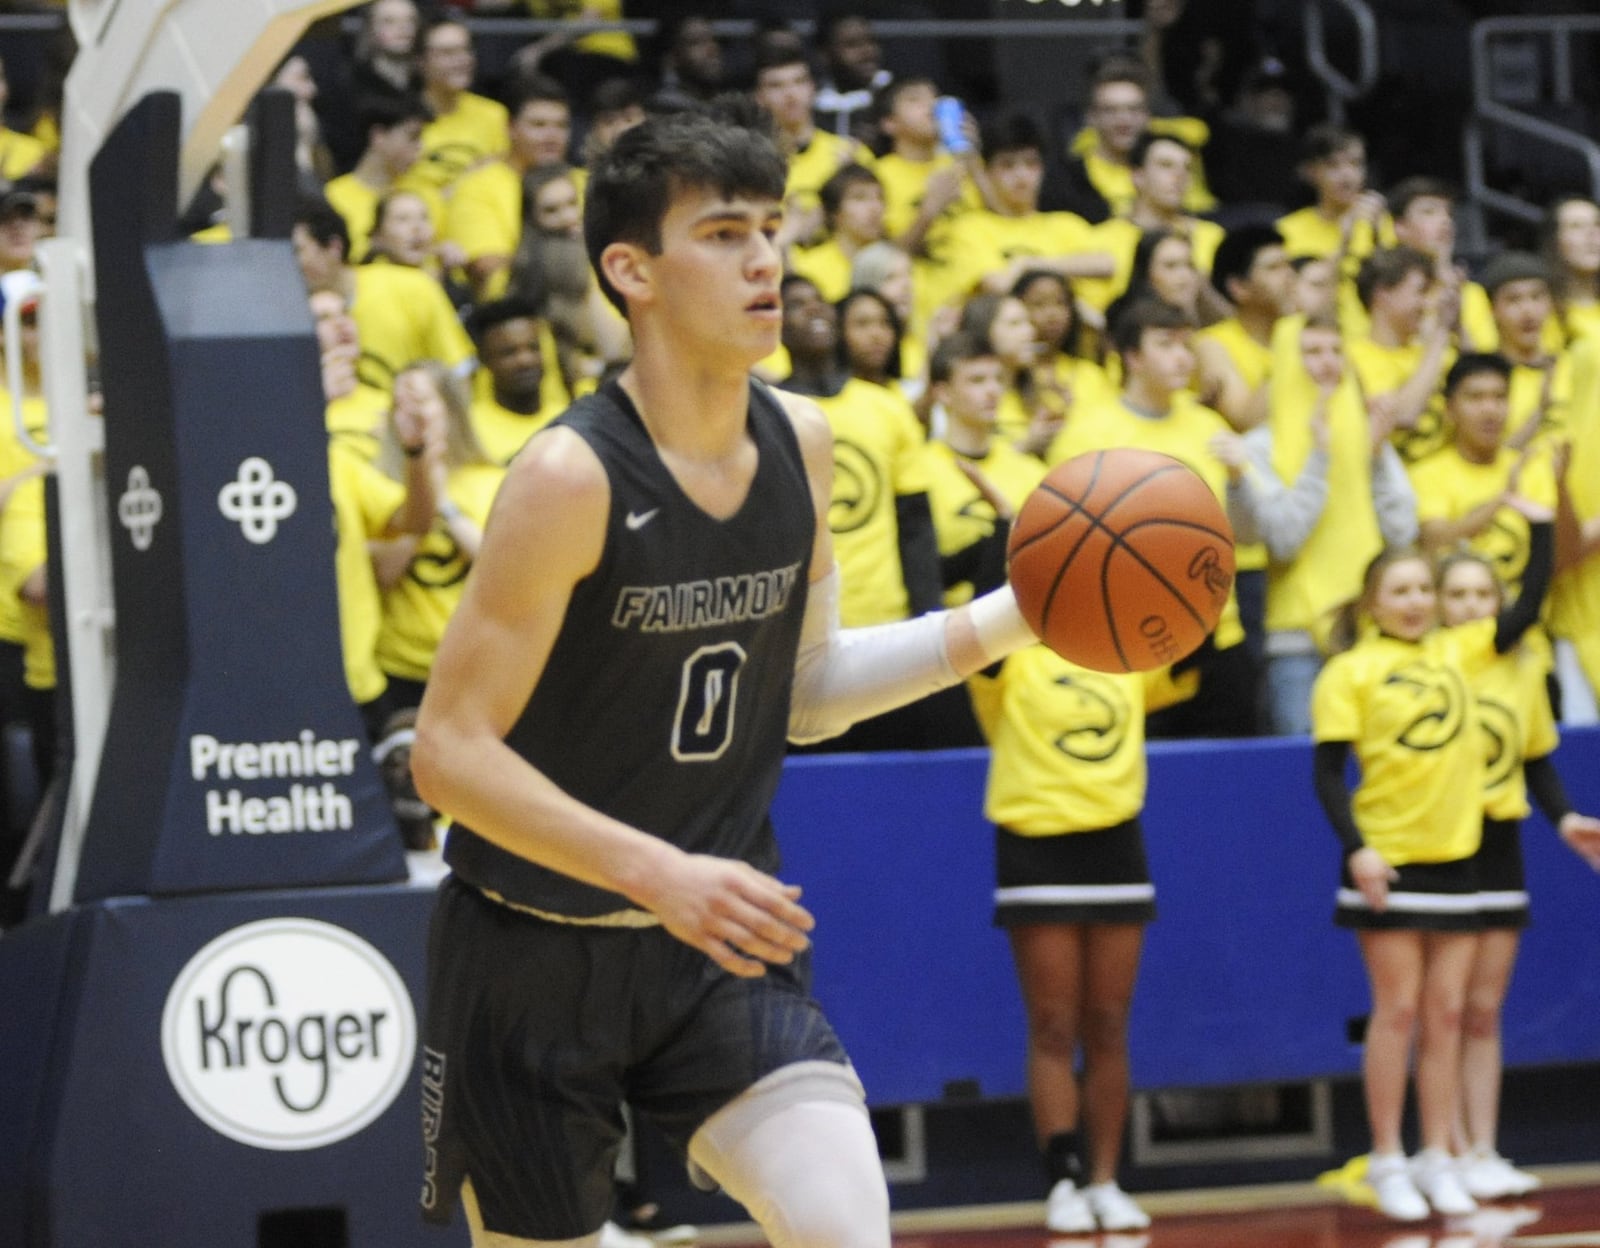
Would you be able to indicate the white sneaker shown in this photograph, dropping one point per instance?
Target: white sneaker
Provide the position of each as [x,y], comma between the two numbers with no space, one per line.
[1489,1176]
[613,1236]
[1068,1210]
[1435,1175]
[1113,1209]
[1397,1196]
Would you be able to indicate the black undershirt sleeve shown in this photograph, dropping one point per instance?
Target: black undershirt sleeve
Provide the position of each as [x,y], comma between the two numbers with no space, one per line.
[1519,616]
[1327,767]
[919,553]
[1546,789]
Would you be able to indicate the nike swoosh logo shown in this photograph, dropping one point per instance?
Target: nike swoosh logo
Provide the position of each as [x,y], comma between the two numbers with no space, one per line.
[638,519]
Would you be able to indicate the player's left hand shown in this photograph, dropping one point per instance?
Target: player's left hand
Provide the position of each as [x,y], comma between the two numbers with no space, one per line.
[1582,835]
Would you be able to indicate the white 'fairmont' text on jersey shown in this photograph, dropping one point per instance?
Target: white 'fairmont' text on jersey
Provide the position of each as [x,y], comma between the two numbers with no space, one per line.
[705,604]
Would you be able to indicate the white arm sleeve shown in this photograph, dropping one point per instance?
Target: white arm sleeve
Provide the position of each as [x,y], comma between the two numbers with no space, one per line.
[842,676]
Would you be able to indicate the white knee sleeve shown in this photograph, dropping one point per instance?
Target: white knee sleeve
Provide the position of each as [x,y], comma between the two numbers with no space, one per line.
[797,1150]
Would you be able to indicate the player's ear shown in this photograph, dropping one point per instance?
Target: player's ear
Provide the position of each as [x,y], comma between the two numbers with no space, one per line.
[627,268]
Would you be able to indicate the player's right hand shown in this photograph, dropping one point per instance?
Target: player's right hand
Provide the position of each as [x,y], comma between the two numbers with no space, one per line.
[740,918]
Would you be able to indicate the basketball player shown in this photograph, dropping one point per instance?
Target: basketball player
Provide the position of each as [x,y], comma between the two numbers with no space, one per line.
[651,615]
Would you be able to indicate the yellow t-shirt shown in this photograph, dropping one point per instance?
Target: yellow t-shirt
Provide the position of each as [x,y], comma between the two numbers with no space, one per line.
[15,458]
[1253,362]
[417,609]
[477,130]
[1120,237]
[1327,570]
[1408,710]
[1185,433]
[1115,182]
[879,453]
[962,516]
[904,182]
[1066,747]
[1448,487]
[357,203]
[402,315]
[1382,370]
[1527,392]
[1575,592]
[19,153]
[825,266]
[822,157]
[502,432]
[617,44]
[23,550]
[364,504]
[357,420]
[981,242]
[484,217]
[1513,706]
[1309,233]
[1079,384]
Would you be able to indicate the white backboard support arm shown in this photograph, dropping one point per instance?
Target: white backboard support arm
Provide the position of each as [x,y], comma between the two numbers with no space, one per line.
[216,54]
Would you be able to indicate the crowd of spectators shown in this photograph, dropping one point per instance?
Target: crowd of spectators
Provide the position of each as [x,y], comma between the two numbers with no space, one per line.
[1241,291]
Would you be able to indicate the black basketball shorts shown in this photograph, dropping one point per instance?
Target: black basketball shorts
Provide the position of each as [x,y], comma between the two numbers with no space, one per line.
[537,1032]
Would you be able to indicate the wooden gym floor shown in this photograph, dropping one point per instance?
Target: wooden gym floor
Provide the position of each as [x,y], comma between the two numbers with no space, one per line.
[1564,1214]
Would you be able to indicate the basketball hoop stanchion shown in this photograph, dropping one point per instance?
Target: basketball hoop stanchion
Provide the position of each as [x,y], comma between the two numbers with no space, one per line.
[220,1005]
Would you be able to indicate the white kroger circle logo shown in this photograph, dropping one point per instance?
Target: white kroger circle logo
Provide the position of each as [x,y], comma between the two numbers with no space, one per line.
[255,501]
[139,508]
[288,1034]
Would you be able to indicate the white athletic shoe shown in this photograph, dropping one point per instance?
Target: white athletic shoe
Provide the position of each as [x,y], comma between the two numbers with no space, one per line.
[1489,1176]
[613,1236]
[1390,1180]
[1068,1210]
[1113,1209]
[1437,1177]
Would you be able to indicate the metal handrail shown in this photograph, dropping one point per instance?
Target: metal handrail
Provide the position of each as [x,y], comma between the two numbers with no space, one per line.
[1343,89]
[1487,109]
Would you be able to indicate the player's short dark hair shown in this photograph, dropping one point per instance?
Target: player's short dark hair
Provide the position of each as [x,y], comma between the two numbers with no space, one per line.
[832,192]
[1387,267]
[1474,364]
[1013,132]
[388,111]
[1148,139]
[1325,140]
[633,184]
[323,222]
[537,89]
[1128,328]
[1407,191]
[1237,253]
[955,349]
[490,316]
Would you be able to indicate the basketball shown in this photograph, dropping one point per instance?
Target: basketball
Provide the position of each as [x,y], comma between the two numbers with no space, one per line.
[1122,560]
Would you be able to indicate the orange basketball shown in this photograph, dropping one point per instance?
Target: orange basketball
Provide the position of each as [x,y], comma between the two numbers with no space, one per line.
[1122,560]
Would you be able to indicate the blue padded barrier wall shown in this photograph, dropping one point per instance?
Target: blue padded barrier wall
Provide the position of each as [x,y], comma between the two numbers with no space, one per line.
[1245,979]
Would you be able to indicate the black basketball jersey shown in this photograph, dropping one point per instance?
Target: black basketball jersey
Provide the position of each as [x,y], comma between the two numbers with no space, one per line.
[665,701]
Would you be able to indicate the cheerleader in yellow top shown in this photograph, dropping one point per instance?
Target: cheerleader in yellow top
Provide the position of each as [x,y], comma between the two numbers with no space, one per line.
[1400,696]
[1513,707]
[1066,786]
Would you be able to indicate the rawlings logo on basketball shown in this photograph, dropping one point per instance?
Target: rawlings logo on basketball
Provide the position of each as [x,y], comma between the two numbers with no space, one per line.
[1206,567]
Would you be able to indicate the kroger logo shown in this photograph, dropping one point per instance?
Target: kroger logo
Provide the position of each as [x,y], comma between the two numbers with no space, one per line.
[288,1034]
